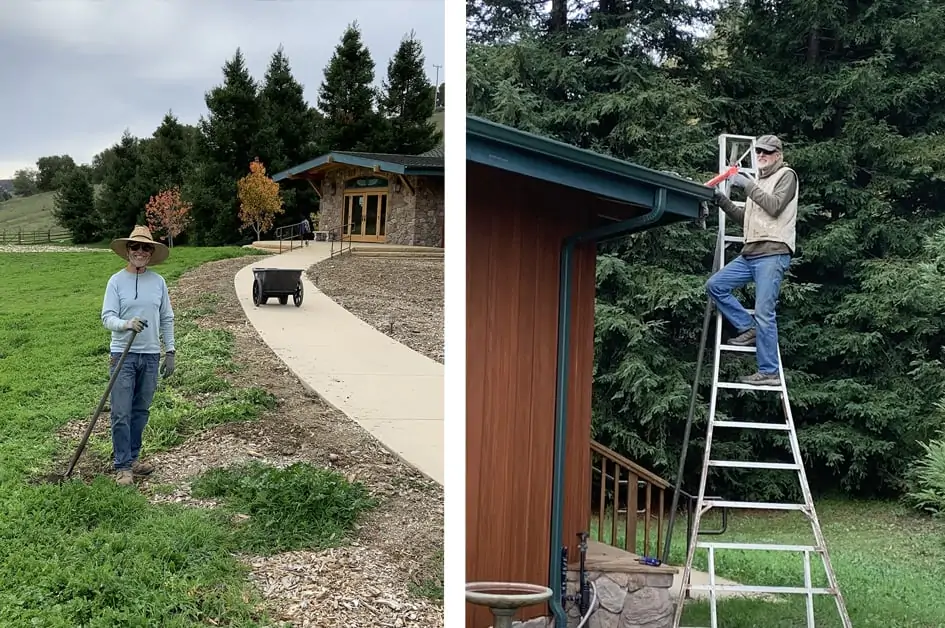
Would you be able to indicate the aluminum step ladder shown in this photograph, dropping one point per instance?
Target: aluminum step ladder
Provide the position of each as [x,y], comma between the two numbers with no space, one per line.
[728,155]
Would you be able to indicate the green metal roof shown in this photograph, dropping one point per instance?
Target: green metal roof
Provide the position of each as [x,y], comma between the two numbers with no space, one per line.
[424,165]
[531,155]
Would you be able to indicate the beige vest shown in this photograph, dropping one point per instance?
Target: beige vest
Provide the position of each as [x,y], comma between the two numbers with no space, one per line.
[761,226]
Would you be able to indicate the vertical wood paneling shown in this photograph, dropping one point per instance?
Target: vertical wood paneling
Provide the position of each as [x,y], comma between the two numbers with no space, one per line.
[514,230]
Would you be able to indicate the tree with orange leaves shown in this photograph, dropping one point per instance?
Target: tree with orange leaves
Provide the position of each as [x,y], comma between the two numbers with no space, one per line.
[259,199]
[168,214]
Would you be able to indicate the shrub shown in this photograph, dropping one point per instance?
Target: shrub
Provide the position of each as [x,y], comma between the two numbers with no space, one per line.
[928,476]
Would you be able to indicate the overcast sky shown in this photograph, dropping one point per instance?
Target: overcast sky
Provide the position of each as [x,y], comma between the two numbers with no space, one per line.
[76,73]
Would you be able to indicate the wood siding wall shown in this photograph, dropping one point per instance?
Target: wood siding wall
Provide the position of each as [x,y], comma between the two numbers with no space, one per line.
[514,230]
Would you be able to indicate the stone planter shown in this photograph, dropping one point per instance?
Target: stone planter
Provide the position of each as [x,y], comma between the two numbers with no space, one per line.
[630,596]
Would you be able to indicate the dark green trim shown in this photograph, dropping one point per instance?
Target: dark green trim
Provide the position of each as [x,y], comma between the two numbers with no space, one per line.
[388,167]
[503,147]
[566,285]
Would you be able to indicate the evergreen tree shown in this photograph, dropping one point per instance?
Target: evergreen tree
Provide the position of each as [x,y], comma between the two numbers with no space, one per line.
[290,134]
[346,98]
[862,341]
[75,207]
[862,334]
[230,139]
[166,159]
[407,102]
[291,123]
[122,198]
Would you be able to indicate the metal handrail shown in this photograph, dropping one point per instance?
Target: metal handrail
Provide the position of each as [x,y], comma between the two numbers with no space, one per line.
[292,230]
[337,234]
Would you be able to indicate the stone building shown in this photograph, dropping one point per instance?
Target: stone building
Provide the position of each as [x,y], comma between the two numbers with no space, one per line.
[377,197]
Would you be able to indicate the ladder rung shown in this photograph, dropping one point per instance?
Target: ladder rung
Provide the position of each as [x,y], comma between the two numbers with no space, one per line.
[741,386]
[749,425]
[737,348]
[733,239]
[739,464]
[760,589]
[724,503]
[759,546]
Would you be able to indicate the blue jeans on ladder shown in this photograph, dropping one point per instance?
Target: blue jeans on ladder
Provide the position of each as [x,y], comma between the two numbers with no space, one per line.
[767,273]
[131,399]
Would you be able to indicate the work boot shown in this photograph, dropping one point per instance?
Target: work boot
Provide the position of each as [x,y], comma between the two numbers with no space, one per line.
[745,339]
[124,477]
[142,468]
[762,379]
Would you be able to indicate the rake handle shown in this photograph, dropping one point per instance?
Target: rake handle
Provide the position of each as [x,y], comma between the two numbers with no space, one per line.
[101,404]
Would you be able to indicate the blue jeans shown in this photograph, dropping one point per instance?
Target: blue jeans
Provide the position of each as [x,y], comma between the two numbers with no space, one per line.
[131,399]
[767,273]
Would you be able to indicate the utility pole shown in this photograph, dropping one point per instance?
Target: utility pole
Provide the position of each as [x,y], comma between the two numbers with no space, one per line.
[436,87]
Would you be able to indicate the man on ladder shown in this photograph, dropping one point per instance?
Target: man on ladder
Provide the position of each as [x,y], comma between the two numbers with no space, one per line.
[768,222]
[768,218]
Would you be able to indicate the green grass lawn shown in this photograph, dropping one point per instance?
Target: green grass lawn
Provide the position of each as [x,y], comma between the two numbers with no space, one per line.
[890,564]
[98,554]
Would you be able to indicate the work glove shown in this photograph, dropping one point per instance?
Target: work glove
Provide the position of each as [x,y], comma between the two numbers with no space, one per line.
[740,180]
[167,369]
[719,196]
[136,324]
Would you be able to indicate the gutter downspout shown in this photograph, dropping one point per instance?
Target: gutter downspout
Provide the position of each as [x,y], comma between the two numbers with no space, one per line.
[565,281]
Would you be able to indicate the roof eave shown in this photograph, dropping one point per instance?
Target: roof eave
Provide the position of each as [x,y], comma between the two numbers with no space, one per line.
[506,148]
[377,165]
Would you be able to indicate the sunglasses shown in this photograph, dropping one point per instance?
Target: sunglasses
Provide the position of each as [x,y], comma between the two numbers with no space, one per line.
[147,248]
[761,151]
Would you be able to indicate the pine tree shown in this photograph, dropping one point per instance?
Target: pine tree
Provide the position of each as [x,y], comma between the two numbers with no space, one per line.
[75,207]
[290,133]
[346,97]
[230,139]
[290,121]
[166,159]
[407,102]
[122,198]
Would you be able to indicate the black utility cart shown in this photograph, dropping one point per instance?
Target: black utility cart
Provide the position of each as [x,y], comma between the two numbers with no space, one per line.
[277,282]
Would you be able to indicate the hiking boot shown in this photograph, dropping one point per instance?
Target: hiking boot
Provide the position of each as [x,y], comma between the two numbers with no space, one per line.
[124,477]
[761,379]
[142,468]
[745,339]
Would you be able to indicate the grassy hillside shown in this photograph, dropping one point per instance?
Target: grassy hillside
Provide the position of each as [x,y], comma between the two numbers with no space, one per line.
[32,213]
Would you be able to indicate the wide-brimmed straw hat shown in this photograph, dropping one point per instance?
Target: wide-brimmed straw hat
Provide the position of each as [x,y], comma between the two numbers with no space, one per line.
[141,234]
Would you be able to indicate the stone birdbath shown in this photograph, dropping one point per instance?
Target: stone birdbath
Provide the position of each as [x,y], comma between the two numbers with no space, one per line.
[505,598]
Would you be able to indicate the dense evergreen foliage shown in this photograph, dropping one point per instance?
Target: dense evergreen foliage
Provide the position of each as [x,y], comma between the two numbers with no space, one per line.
[248,119]
[854,89]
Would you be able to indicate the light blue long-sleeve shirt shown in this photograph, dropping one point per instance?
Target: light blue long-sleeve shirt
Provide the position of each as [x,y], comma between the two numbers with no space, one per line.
[128,295]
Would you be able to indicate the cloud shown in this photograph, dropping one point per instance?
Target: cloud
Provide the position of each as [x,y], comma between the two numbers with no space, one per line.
[84,71]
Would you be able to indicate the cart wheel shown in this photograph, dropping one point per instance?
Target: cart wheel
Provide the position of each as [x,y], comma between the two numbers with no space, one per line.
[297,297]
[283,299]
[257,290]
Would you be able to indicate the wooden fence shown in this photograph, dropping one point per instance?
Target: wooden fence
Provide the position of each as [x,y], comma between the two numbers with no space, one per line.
[44,236]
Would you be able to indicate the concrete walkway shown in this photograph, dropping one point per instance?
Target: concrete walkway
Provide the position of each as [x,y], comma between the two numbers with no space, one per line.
[390,390]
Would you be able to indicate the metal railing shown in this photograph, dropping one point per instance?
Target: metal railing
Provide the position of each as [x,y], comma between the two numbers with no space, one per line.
[622,483]
[337,234]
[41,236]
[289,233]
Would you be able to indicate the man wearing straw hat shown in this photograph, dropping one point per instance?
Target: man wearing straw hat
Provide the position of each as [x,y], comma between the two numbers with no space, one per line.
[136,298]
